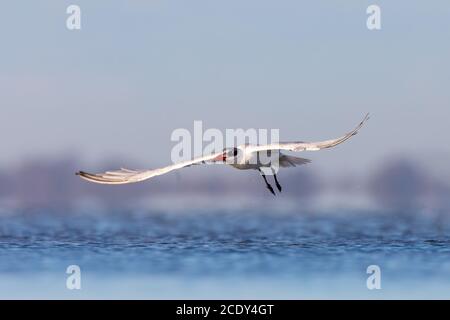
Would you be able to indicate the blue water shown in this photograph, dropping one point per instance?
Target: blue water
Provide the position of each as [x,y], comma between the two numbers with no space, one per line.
[142,254]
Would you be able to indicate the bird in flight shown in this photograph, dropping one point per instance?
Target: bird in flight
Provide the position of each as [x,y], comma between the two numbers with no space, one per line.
[243,157]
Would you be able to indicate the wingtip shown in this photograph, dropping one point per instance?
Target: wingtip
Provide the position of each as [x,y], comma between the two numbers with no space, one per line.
[366,117]
[81,173]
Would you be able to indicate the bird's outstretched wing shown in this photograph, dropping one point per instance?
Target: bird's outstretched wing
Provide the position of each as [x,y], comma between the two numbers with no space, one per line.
[124,176]
[308,146]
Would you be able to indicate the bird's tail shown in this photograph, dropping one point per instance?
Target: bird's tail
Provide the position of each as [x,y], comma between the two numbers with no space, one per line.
[291,161]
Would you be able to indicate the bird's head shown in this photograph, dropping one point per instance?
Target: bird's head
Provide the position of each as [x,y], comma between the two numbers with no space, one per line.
[228,154]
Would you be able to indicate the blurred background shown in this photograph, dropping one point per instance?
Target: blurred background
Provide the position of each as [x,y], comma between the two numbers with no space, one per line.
[110,95]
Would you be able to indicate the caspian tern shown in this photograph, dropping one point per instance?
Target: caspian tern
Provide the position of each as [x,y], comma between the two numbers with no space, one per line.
[243,157]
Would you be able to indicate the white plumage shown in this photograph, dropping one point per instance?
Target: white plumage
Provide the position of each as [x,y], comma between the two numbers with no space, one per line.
[241,157]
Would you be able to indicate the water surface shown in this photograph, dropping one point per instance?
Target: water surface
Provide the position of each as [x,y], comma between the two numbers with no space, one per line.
[143,254]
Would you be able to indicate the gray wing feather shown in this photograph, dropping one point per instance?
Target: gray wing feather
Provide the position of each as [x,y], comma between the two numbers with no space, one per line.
[291,161]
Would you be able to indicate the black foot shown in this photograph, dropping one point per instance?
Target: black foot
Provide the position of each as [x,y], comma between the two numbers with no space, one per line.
[276,181]
[271,189]
[267,183]
[278,186]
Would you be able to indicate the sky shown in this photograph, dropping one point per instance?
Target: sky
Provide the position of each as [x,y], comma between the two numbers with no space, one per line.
[137,70]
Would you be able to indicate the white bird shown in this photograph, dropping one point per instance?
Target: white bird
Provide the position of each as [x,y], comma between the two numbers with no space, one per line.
[243,157]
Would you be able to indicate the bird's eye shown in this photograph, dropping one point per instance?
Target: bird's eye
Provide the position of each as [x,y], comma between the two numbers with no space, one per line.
[235,152]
